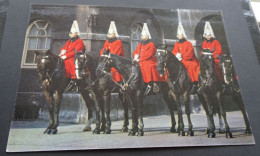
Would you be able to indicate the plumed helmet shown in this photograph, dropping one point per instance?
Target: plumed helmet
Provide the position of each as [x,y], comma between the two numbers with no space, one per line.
[112,28]
[75,28]
[208,31]
[145,31]
[180,30]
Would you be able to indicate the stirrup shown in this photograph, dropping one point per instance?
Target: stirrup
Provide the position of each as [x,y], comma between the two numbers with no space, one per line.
[70,86]
[148,89]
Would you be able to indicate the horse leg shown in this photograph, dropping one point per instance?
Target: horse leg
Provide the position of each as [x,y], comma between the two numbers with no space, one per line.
[180,119]
[170,104]
[125,106]
[204,105]
[223,113]
[107,98]
[49,98]
[90,104]
[139,97]
[211,125]
[221,124]
[56,112]
[98,102]
[186,99]
[134,104]
[239,101]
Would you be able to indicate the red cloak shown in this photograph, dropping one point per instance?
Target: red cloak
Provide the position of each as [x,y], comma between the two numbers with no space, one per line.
[148,62]
[70,48]
[189,59]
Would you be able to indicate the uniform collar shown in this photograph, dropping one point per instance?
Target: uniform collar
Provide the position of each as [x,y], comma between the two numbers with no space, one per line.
[111,40]
[74,38]
[146,42]
[182,40]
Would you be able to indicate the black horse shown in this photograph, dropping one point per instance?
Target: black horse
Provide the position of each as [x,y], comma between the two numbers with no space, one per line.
[179,83]
[212,92]
[231,81]
[134,87]
[101,88]
[52,74]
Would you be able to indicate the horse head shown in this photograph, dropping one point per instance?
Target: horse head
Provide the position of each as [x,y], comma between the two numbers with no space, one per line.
[44,60]
[105,63]
[81,61]
[226,66]
[162,59]
[207,64]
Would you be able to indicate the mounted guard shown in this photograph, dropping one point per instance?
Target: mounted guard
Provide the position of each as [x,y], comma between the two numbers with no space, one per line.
[145,55]
[67,53]
[115,46]
[211,45]
[184,51]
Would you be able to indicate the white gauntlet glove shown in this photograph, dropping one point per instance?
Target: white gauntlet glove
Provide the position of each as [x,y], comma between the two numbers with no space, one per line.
[63,57]
[178,55]
[136,58]
[62,52]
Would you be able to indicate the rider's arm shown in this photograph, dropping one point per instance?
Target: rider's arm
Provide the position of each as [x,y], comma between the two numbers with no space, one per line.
[218,49]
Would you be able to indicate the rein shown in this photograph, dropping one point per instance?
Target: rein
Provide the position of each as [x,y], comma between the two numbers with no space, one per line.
[48,80]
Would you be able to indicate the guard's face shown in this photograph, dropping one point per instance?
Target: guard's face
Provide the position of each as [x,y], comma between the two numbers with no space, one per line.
[72,35]
[181,36]
[208,37]
[145,37]
[111,35]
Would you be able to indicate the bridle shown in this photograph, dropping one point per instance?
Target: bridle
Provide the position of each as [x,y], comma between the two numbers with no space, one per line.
[159,51]
[48,77]
[165,63]
[210,55]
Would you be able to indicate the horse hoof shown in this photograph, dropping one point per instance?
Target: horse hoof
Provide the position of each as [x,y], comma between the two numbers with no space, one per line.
[173,130]
[211,135]
[107,131]
[87,129]
[47,131]
[229,135]
[181,133]
[222,131]
[140,133]
[102,129]
[207,131]
[132,133]
[54,131]
[190,133]
[124,129]
[96,131]
[248,131]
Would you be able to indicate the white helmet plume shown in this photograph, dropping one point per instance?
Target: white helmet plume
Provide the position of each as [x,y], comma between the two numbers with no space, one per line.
[180,30]
[75,28]
[145,31]
[208,31]
[112,28]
